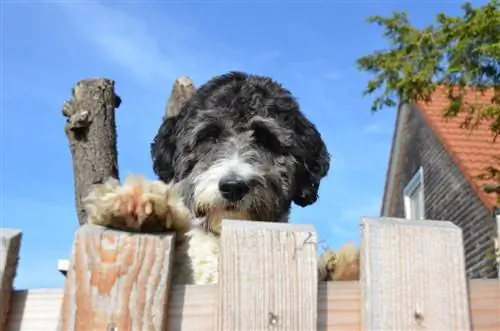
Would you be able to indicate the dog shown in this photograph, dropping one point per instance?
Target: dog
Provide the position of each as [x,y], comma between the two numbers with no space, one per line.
[240,148]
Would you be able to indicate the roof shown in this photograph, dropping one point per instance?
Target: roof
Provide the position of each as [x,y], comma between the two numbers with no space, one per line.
[472,150]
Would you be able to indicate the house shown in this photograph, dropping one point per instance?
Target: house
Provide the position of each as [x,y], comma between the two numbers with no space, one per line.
[432,172]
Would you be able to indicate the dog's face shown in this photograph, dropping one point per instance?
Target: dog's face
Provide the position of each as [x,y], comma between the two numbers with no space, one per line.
[241,148]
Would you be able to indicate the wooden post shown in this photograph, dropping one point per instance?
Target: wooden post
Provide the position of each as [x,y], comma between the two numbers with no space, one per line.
[91,132]
[182,90]
[117,281]
[413,275]
[10,244]
[268,277]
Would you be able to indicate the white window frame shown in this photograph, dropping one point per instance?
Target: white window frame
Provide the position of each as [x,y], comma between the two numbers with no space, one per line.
[416,183]
[497,243]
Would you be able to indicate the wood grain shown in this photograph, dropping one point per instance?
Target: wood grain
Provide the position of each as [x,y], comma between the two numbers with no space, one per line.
[91,131]
[117,279]
[485,304]
[413,275]
[192,306]
[268,277]
[10,244]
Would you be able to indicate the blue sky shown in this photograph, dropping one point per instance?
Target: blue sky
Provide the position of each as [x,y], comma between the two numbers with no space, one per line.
[310,47]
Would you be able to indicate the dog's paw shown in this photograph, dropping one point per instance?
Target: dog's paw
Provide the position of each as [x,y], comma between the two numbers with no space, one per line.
[340,265]
[138,204]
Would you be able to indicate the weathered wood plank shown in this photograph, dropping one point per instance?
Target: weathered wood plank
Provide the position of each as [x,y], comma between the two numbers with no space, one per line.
[191,306]
[117,279]
[268,277]
[10,244]
[413,275]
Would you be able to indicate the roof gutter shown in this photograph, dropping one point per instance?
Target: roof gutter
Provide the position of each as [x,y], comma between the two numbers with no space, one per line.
[402,113]
[496,214]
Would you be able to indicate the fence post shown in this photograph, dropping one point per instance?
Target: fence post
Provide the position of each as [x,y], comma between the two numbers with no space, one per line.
[268,277]
[413,275]
[10,244]
[117,281]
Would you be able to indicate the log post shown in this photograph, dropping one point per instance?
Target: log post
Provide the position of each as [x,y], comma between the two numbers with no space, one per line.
[117,281]
[268,277]
[10,244]
[91,131]
[413,275]
[182,89]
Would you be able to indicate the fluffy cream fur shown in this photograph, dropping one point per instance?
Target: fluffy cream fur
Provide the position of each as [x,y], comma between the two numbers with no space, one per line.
[340,265]
[144,205]
[140,204]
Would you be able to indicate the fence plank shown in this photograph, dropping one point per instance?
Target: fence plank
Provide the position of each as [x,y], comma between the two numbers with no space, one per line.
[10,244]
[117,279]
[268,277]
[192,306]
[413,275]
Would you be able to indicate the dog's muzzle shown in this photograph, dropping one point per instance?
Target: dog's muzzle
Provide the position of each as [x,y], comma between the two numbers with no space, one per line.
[233,188]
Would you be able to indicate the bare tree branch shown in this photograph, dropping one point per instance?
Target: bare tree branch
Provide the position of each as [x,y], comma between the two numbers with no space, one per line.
[182,90]
[91,131]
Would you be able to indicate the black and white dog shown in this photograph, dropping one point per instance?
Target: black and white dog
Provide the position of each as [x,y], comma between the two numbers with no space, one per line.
[240,148]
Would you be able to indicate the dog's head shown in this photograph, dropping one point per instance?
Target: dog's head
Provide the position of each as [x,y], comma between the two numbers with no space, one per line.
[242,148]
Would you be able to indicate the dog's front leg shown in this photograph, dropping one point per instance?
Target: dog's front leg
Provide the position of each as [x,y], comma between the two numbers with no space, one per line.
[138,204]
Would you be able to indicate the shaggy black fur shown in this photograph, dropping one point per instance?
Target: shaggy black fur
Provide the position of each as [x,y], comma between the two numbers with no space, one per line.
[232,104]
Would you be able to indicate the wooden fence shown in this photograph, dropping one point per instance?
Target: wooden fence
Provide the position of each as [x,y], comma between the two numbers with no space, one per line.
[412,278]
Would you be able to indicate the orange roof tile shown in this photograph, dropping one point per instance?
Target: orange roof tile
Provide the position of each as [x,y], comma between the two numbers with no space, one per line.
[472,150]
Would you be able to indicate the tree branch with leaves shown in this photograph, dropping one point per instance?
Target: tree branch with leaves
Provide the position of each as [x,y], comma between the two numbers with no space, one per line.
[461,53]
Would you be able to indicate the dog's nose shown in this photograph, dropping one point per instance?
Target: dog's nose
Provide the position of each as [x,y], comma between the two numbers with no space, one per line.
[233,188]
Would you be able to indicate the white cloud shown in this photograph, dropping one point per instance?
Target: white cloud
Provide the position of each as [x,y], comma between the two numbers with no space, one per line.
[155,51]
[124,39]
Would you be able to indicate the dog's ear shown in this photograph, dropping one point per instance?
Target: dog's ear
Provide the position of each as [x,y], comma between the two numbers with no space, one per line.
[313,163]
[163,149]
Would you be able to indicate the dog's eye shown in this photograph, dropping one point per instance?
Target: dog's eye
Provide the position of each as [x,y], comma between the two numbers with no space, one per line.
[266,139]
[211,134]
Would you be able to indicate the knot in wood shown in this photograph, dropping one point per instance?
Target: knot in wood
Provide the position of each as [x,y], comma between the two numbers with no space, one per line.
[419,317]
[112,327]
[273,319]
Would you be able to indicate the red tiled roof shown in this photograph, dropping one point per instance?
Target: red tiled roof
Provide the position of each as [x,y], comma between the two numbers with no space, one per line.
[472,150]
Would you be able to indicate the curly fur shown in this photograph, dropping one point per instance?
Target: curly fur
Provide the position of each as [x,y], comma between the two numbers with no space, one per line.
[235,127]
[144,205]
[137,204]
[340,265]
[249,125]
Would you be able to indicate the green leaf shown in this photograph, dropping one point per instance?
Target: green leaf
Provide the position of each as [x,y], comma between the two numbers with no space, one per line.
[456,51]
